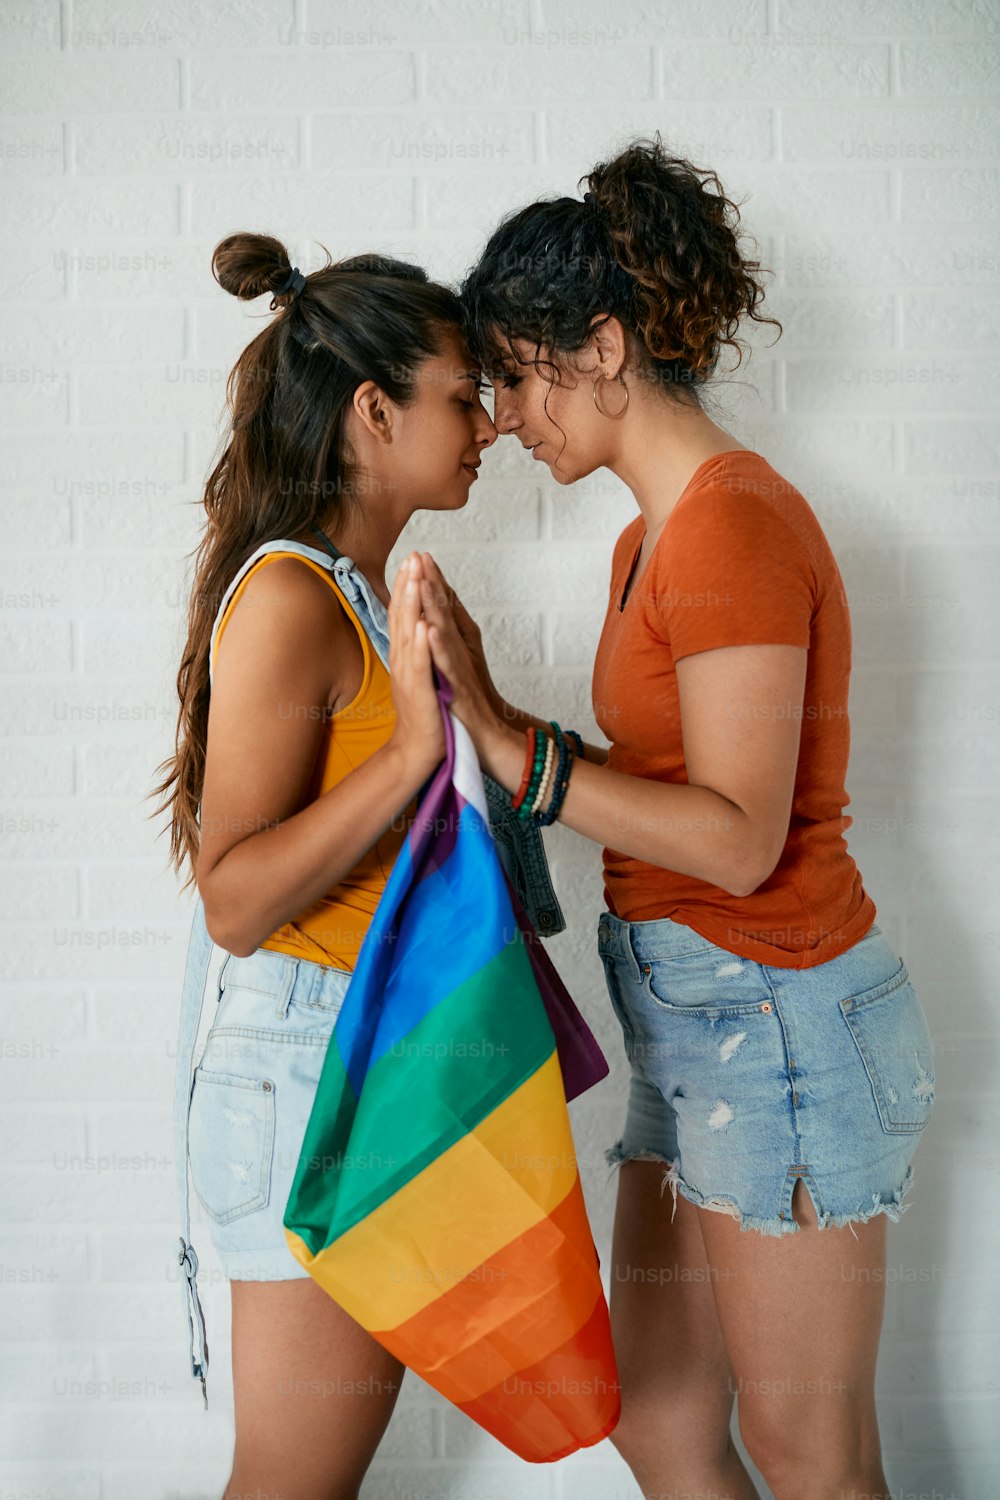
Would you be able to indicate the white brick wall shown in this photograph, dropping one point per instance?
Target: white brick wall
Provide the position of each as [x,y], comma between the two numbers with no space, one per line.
[866,136]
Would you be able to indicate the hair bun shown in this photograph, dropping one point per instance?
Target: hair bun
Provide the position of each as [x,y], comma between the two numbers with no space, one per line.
[249,265]
[677,236]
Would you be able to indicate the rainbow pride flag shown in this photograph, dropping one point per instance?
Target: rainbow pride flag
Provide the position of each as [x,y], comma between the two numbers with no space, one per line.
[437,1197]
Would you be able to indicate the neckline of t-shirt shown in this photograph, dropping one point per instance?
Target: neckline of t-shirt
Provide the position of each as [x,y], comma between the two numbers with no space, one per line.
[712,459]
[685,492]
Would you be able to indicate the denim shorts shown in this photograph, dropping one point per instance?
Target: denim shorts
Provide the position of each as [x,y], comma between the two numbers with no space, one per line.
[746,1078]
[251,1097]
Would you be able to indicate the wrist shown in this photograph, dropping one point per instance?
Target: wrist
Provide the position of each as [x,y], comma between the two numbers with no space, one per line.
[500,708]
[412,764]
[501,750]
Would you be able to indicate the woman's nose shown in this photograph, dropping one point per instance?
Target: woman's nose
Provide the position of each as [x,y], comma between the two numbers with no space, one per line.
[486,432]
[505,413]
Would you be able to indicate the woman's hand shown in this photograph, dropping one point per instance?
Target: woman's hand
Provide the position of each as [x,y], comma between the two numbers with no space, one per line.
[468,630]
[472,699]
[419,729]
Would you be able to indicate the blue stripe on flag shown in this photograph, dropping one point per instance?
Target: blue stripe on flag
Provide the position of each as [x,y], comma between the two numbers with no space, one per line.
[457,917]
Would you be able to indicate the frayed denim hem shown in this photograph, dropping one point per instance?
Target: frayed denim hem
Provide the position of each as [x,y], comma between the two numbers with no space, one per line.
[616,1155]
[893,1210]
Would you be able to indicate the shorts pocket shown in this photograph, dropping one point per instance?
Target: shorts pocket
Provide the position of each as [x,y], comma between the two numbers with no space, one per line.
[891,1033]
[711,983]
[231,1132]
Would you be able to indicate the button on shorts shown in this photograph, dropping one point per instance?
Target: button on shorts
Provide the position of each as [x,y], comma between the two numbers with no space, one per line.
[746,1078]
[251,1098]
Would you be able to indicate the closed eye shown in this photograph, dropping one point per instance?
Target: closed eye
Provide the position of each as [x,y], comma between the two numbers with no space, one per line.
[478,387]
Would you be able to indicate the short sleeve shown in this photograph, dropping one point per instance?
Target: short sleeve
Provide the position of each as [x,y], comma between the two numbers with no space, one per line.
[731,572]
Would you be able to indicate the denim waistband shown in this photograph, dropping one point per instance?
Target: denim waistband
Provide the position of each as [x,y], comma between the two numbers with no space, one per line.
[638,942]
[283,974]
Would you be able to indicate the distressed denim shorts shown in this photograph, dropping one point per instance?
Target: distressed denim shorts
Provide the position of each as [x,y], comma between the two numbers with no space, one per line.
[746,1078]
[251,1098]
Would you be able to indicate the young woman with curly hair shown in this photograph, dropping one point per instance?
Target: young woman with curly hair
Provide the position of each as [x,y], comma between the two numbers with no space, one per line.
[781,1064]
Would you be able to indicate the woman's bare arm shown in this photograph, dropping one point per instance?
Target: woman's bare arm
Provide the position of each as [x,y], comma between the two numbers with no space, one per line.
[287,651]
[741,714]
[740,709]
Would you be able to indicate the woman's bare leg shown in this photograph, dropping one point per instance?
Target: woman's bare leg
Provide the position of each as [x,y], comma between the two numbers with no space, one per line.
[313,1394]
[677,1386]
[801,1316]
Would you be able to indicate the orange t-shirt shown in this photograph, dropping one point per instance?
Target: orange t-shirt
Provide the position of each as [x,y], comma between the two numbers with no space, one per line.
[741,560]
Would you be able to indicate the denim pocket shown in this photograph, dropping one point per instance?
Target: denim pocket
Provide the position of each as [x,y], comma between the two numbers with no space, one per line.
[712,982]
[891,1033]
[231,1131]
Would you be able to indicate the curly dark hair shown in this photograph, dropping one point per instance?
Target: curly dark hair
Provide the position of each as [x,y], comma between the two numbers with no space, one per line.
[655,243]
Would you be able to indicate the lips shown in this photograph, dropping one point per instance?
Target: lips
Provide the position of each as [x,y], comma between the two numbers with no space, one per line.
[472,469]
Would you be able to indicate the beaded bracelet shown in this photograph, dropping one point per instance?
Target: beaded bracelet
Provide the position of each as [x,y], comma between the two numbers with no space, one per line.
[543,785]
[551,813]
[541,744]
[524,811]
[559,796]
[522,789]
[562,783]
[564,750]
[548,764]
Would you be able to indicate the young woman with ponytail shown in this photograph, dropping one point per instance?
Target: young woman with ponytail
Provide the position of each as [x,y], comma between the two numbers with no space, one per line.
[781,1064]
[308,723]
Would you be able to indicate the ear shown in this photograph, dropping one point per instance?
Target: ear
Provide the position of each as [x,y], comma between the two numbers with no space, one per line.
[609,343]
[374,411]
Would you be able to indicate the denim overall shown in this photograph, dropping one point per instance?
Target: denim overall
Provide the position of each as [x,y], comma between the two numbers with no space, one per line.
[519,847]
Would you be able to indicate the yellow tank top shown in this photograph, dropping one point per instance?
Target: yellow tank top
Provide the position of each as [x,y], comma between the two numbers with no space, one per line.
[330,931]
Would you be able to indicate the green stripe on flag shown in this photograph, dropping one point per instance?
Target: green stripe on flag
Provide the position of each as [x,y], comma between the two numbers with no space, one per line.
[474,1049]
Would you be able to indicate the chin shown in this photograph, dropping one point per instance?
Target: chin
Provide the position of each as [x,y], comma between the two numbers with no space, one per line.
[565,475]
[442,502]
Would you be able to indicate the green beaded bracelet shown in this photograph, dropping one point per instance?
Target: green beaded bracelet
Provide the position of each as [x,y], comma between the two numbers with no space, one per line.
[541,746]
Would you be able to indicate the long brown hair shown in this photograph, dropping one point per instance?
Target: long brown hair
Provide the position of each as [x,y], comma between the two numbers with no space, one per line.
[285,464]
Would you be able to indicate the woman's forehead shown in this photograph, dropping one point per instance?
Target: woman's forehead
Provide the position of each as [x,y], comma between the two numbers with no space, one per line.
[509,349]
[451,365]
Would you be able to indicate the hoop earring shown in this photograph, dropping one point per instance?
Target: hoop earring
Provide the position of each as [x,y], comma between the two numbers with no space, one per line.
[613,416]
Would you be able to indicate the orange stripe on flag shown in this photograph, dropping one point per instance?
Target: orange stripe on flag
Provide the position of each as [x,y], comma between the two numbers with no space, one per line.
[524,1301]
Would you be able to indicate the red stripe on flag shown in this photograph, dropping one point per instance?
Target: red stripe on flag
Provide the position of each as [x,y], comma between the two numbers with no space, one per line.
[564,1402]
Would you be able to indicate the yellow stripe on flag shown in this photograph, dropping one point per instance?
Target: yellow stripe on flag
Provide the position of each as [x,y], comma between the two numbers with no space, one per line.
[499,1180]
